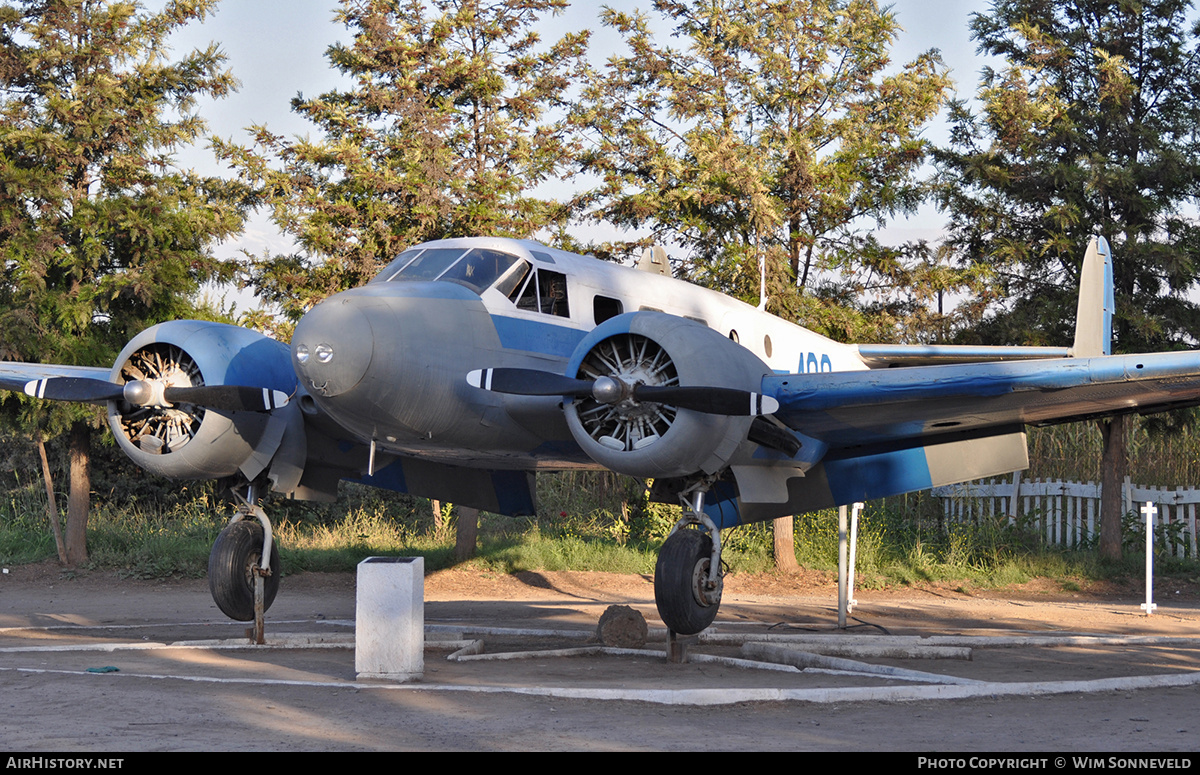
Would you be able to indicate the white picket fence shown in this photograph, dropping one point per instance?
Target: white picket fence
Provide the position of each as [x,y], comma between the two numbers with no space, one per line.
[1068,513]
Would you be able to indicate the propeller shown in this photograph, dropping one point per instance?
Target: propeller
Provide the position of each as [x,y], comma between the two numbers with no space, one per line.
[610,390]
[233,398]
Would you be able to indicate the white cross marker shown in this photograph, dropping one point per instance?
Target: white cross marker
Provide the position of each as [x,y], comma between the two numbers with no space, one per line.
[1150,512]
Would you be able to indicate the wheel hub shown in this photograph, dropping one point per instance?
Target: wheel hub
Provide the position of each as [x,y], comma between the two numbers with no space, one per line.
[252,564]
[705,593]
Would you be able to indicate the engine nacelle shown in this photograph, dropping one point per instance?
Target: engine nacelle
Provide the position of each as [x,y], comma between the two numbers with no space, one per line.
[191,442]
[658,440]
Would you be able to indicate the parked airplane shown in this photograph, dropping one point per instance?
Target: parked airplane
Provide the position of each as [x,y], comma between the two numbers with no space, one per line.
[468,365]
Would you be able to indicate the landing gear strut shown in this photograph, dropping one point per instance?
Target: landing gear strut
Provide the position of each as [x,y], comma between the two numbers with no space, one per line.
[688,576]
[242,585]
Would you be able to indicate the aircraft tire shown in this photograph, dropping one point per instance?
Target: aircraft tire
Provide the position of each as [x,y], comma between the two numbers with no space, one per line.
[682,562]
[237,550]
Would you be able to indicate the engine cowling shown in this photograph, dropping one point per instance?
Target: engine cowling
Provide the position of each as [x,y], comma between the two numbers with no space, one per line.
[658,440]
[192,442]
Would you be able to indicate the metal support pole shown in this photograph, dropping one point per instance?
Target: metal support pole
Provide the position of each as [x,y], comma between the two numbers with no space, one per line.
[855,510]
[843,561]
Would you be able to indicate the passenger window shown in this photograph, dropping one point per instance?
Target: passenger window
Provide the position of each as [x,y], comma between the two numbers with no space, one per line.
[604,308]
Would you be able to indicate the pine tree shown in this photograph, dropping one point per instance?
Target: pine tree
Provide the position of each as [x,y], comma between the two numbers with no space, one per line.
[767,146]
[1090,126]
[449,126]
[101,233]
[766,131]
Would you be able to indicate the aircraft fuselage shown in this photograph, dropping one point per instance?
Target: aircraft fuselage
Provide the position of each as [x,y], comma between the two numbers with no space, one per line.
[387,361]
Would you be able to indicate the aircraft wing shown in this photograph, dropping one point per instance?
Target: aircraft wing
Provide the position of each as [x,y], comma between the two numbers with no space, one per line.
[920,404]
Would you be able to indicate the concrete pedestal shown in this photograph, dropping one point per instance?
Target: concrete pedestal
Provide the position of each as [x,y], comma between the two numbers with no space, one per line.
[389,619]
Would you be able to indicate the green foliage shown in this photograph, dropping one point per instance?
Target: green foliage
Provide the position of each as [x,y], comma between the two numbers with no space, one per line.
[774,132]
[896,545]
[1088,126]
[446,131]
[101,234]
[1170,540]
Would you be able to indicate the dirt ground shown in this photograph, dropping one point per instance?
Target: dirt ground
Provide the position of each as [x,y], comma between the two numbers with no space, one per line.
[55,627]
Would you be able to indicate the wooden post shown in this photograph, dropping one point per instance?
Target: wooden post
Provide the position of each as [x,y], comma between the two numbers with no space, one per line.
[79,494]
[784,545]
[465,533]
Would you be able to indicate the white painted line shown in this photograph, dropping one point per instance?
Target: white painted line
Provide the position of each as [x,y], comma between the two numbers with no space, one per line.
[714,696]
[161,625]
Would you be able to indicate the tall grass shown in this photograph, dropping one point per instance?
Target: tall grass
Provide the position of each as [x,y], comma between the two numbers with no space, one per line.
[1157,458]
[587,521]
[895,546]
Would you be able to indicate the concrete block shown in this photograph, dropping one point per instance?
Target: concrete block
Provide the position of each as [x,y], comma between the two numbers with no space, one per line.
[389,619]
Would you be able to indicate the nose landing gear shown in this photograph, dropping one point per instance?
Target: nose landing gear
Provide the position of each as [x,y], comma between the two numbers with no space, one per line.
[688,575]
[242,585]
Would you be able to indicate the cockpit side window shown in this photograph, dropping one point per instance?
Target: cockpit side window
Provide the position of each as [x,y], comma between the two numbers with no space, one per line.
[525,296]
[552,289]
[544,291]
[513,279]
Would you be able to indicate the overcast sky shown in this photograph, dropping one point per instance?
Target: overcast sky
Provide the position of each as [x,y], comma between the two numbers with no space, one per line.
[276,48]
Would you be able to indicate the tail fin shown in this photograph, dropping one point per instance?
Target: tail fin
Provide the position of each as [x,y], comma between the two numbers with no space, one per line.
[1093,318]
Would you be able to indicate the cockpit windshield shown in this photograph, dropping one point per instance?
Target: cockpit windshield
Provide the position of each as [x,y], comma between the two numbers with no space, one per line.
[477,268]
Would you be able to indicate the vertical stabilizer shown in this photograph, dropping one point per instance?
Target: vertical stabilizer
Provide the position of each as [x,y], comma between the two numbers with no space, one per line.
[1093,319]
[655,260]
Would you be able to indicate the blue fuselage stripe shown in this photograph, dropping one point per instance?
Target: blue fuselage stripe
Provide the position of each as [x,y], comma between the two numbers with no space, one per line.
[535,336]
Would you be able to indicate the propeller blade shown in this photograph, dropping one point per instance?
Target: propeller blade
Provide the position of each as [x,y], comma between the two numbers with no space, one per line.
[233,398]
[528,382]
[710,400]
[74,389]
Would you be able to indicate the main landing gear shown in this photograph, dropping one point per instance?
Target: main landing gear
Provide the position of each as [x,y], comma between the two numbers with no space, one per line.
[688,575]
[242,584]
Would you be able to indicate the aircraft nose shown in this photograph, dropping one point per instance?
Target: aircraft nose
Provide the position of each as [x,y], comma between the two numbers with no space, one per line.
[332,346]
